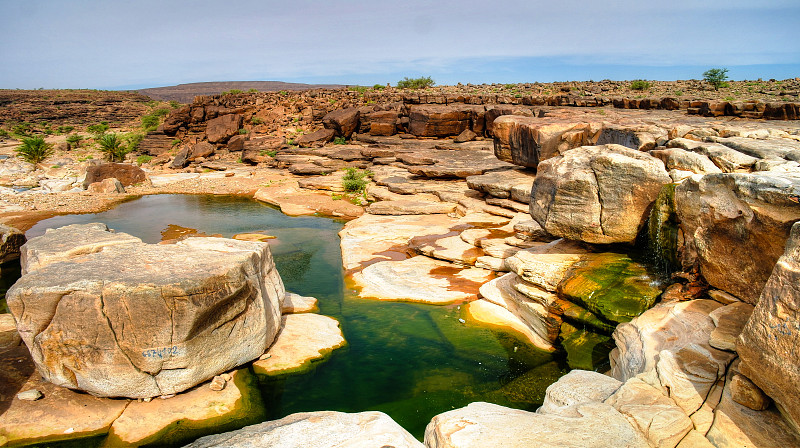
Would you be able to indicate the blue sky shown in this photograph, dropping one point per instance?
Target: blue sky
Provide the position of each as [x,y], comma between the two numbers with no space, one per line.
[109,44]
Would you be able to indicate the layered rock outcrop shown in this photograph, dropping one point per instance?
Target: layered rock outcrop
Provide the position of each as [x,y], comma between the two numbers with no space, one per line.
[101,315]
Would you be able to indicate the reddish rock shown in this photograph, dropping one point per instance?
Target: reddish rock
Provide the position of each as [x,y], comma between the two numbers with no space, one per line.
[438,121]
[236,143]
[343,121]
[176,119]
[316,138]
[383,123]
[126,174]
[181,159]
[220,129]
[202,149]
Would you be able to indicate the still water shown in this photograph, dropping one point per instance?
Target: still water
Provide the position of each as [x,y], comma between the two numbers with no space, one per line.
[408,360]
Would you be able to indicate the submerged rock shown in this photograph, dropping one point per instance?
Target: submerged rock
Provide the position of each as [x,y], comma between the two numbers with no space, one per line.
[586,349]
[112,322]
[321,429]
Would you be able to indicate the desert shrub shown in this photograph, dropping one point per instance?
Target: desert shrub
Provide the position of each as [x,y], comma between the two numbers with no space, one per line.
[99,128]
[22,129]
[378,87]
[415,83]
[355,180]
[143,159]
[339,141]
[3,133]
[231,92]
[716,77]
[271,153]
[34,149]
[640,84]
[112,146]
[74,140]
[134,138]
[174,104]
[361,89]
[176,142]
[242,131]
[65,129]
[150,122]
[256,120]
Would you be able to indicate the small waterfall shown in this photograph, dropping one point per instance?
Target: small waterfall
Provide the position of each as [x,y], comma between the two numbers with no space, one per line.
[662,232]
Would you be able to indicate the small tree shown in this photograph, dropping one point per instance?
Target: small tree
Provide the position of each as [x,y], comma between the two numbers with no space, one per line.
[34,149]
[415,83]
[716,77]
[112,146]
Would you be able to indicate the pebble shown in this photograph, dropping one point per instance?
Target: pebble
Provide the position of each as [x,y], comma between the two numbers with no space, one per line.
[29,395]
[218,383]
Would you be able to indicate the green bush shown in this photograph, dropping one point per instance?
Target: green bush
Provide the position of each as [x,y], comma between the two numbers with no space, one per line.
[231,92]
[111,145]
[256,120]
[3,133]
[99,128]
[150,122]
[415,83]
[716,77]
[378,87]
[134,138]
[640,84]
[242,131]
[65,129]
[22,129]
[355,180]
[143,159]
[339,141]
[34,149]
[174,104]
[74,140]
[361,89]
[270,153]
[252,90]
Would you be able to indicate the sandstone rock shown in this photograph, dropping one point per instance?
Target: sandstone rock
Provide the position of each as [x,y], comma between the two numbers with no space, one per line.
[60,415]
[536,315]
[491,263]
[676,158]
[322,429]
[217,383]
[690,372]
[498,248]
[747,394]
[527,141]
[420,279]
[167,345]
[663,328]
[438,120]
[576,388]
[29,395]
[304,340]
[382,123]
[406,207]
[730,321]
[657,417]
[202,149]
[57,185]
[296,201]
[365,241]
[9,337]
[725,215]
[295,303]
[485,424]
[126,174]
[343,121]
[727,159]
[181,159]
[500,183]
[639,138]
[737,426]
[236,143]
[316,138]
[722,297]
[188,415]
[11,240]
[597,194]
[770,339]
[492,314]
[106,186]
[546,266]
[530,230]
[465,136]
[780,148]
[220,129]
[448,248]
[304,169]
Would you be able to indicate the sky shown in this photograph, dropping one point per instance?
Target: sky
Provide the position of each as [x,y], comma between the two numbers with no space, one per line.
[127,44]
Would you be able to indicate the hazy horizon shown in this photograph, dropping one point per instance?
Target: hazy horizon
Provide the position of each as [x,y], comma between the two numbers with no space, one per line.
[114,45]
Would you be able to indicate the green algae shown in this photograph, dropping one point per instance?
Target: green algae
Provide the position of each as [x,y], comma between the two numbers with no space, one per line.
[581,317]
[586,349]
[610,285]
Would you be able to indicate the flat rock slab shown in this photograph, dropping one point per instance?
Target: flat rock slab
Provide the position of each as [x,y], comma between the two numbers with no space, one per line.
[373,238]
[730,320]
[489,425]
[295,303]
[184,417]
[546,266]
[421,279]
[500,183]
[407,207]
[305,339]
[449,248]
[296,201]
[576,388]
[323,429]
[495,315]
[61,414]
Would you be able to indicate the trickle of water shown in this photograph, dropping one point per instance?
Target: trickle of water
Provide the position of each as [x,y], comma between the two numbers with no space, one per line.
[662,232]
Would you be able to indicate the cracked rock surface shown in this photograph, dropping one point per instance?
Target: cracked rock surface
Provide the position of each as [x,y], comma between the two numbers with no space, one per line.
[124,318]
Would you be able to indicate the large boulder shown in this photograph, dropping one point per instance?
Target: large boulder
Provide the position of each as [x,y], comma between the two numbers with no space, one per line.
[220,129]
[343,121]
[597,194]
[439,120]
[526,141]
[125,173]
[120,318]
[735,226]
[768,344]
[316,138]
[11,240]
[320,429]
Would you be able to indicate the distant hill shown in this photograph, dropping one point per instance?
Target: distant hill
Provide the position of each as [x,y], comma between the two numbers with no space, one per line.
[185,93]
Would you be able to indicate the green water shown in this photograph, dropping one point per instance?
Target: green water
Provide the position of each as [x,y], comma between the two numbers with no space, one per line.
[408,360]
